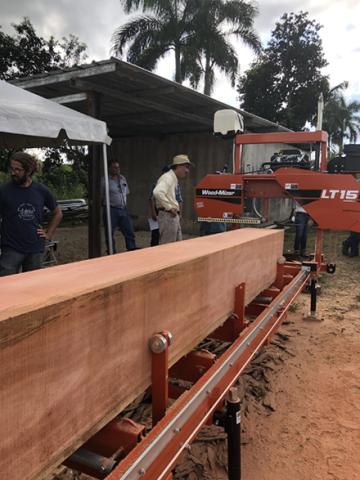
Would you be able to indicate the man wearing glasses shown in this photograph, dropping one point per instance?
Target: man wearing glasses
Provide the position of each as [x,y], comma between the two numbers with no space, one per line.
[22,202]
[120,218]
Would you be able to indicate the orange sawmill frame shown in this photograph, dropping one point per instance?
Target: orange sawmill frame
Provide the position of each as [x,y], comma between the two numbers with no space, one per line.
[156,455]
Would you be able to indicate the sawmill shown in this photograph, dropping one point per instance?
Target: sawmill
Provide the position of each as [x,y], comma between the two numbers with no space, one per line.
[80,342]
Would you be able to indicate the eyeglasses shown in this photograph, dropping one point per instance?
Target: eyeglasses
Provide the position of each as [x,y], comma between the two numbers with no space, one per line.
[16,169]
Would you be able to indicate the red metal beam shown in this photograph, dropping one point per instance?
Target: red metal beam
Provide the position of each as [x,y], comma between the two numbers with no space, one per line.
[281,137]
[159,347]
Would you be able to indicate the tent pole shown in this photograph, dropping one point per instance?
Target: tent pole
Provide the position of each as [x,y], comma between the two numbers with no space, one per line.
[107,200]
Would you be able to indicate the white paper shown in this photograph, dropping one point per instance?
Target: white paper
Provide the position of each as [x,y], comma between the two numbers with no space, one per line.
[153,224]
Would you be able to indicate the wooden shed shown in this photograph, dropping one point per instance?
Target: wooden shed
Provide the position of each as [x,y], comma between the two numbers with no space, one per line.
[150,119]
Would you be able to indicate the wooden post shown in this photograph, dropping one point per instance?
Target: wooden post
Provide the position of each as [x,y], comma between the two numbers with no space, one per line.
[94,176]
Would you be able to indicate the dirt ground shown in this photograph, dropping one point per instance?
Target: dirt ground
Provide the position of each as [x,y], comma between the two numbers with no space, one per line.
[314,430]
[301,407]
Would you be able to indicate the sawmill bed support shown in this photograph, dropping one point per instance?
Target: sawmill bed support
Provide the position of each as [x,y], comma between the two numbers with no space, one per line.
[102,452]
[155,456]
[313,293]
[235,324]
[233,430]
[159,347]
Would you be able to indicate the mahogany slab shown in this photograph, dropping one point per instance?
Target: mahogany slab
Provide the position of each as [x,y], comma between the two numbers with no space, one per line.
[74,338]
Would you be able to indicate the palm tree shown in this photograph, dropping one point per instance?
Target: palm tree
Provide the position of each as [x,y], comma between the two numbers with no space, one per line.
[341,119]
[164,28]
[197,31]
[214,22]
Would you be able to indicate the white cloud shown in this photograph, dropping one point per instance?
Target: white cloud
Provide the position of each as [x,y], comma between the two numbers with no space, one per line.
[341,42]
[94,22]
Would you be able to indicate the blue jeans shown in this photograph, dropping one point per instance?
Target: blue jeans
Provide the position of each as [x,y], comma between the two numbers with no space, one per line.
[12,261]
[120,219]
[301,221]
[352,244]
[208,228]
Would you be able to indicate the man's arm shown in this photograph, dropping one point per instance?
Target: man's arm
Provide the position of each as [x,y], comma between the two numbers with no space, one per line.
[161,195]
[52,226]
[179,198]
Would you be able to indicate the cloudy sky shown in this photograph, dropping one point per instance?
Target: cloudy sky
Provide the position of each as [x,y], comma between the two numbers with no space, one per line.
[94,22]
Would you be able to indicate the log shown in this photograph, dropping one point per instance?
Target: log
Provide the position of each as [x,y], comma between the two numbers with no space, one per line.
[74,338]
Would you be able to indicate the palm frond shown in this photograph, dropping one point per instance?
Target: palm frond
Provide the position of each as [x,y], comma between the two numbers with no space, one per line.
[191,69]
[130,5]
[225,58]
[250,38]
[149,58]
[238,13]
[143,26]
[144,41]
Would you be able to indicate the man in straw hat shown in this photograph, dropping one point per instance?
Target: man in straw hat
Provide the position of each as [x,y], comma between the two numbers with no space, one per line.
[165,199]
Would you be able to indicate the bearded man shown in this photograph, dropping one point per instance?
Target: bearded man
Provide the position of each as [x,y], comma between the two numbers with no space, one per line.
[22,202]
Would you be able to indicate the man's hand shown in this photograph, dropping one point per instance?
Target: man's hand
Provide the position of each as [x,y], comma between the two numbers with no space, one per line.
[43,233]
[173,212]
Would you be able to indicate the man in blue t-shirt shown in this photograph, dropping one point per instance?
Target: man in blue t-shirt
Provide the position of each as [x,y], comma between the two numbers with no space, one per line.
[22,203]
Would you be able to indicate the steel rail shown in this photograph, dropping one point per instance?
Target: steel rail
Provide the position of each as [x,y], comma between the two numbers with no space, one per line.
[167,433]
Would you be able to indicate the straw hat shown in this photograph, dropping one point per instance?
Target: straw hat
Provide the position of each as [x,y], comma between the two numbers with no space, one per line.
[181,160]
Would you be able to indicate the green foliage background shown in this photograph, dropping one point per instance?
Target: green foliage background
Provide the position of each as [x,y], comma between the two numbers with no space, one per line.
[284,83]
[64,170]
[64,181]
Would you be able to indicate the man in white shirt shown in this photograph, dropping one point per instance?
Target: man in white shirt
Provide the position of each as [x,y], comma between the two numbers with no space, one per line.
[165,199]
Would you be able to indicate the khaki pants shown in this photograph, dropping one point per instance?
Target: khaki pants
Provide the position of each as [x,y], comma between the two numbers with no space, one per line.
[169,227]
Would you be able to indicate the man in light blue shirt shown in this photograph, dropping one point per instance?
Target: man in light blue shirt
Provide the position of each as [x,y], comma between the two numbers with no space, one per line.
[120,218]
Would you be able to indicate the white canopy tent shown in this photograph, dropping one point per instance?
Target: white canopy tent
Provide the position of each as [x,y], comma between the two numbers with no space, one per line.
[27,120]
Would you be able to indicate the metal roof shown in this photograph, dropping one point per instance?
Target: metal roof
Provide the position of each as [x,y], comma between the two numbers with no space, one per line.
[134,101]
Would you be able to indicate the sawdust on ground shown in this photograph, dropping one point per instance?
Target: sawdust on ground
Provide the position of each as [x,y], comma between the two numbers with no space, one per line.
[301,408]
[314,430]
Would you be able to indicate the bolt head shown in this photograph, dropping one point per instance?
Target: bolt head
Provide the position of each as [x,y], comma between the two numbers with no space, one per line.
[157,343]
[170,338]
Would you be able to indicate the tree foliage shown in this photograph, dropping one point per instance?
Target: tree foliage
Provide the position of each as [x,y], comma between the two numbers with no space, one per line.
[27,53]
[67,179]
[163,28]
[197,31]
[284,83]
[208,46]
[341,119]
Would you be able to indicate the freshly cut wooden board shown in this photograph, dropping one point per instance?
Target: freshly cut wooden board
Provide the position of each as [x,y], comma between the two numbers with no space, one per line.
[74,338]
